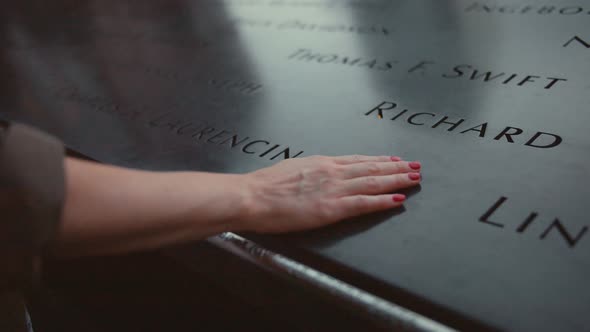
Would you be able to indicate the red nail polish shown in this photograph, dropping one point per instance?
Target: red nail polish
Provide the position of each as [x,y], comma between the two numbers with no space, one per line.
[394,158]
[414,176]
[415,165]
[399,198]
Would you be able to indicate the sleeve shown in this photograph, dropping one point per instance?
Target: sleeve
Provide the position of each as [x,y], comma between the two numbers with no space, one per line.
[31,199]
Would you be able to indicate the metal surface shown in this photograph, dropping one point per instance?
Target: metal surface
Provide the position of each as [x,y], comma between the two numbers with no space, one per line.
[497,233]
[398,318]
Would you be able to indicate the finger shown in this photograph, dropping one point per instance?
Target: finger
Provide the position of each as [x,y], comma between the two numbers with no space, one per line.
[352,206]
[373,185]
[379,168]
[353,159]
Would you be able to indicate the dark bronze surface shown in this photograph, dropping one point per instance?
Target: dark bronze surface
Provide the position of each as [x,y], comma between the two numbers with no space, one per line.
[498,231]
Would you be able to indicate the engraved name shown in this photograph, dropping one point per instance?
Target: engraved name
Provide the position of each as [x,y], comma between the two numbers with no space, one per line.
[478,7]
[195,131]
[236,85]
[301,25]
[102,104]
[569,236]
[357,4]
[307,55]
[423,68]
[509,134]
[514,79]
[204,132]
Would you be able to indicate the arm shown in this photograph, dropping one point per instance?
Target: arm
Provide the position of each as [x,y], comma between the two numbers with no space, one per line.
[110,209]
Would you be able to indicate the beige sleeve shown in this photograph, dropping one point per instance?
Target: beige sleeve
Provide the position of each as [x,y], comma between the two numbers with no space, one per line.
[31,199]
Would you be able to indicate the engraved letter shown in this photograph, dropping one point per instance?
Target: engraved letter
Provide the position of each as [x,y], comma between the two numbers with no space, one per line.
[218,135]
[477,6]
[453,124]
[381,107]
[491,210]
[579,40]
[571,10]
[234,141]
[553,81]
[527,79]
[420,66]
[457,70]
[487,76]
[506,132]
[525,224]
[482,130]
[564,233]
[286,154]
[245,148]
[156,122]
[556,141]
[418,114]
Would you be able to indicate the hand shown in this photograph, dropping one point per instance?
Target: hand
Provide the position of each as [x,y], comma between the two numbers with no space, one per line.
[304,193]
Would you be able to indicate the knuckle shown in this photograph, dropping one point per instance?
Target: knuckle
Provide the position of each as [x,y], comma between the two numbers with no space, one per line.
[405,167]
[316,157]
[328,183]
[371,183]
[397,168]
[323,170]
[338,170]
[320,172]
[329,168]
[398,180]
[361,203]
[326,211]
[305,173]
[373,169]
[322,161]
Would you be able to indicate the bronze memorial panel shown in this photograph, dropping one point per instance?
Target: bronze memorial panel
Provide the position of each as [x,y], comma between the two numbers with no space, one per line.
[492,96]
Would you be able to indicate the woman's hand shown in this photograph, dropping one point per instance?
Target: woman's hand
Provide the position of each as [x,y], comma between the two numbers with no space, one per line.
[110,209]
[304,193]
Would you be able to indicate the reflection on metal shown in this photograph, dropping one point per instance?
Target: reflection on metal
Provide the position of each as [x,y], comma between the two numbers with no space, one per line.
[401,319]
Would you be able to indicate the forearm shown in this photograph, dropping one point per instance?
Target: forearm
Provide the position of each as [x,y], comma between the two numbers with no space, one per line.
[110,209]
[113,210]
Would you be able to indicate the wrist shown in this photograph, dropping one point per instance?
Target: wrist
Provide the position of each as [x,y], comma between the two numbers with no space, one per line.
[250,208]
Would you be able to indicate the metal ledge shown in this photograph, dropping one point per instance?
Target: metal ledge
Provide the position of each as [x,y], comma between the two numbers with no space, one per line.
[399,317]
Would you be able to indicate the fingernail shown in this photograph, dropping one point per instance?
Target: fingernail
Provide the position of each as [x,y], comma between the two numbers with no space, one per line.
[415,165]
[399,198]
[394,158]
[414,176]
